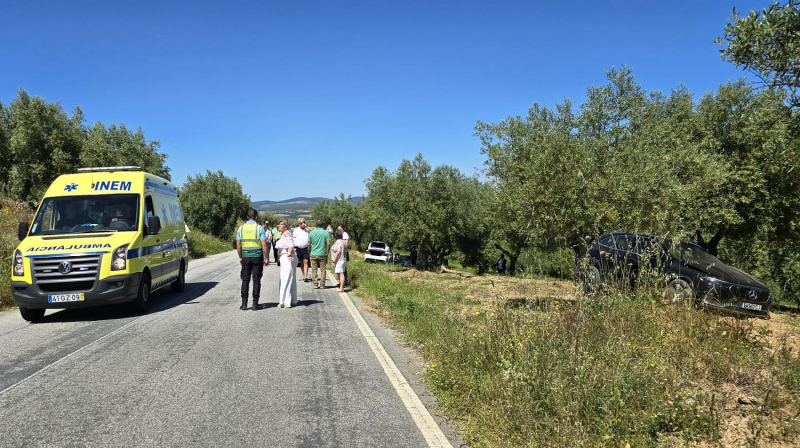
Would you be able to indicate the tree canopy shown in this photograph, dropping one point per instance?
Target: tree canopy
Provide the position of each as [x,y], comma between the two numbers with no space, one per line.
[767,43]
[212,203]
[342,211]
[40,141]
[718,171]
[438,210]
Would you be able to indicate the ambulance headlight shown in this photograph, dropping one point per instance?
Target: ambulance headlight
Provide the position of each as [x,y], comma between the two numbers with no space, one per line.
[119,258]
[19,266]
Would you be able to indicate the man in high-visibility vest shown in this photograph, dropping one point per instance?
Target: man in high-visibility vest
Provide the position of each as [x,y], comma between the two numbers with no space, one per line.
[251,244]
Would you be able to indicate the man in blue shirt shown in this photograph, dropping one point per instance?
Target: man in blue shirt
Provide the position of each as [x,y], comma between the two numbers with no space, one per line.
[251,245]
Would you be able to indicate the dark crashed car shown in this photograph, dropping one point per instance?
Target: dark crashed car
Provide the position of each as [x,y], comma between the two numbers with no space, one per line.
[690,271]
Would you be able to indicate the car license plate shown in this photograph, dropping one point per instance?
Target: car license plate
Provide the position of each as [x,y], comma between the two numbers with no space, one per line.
[58,298]
[750,306]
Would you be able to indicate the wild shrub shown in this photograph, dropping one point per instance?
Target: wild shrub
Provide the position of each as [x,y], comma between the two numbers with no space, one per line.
[202,245]
[11,214]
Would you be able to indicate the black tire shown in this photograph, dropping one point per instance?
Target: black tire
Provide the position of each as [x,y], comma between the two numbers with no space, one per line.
[678,292]
[32,314]
[180,283]
[590,280]
[142,300]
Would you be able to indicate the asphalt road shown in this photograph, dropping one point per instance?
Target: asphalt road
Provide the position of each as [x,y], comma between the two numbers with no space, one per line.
[197,371]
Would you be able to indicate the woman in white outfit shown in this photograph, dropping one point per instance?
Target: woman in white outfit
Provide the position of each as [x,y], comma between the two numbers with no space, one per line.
[287,292]
[339,258]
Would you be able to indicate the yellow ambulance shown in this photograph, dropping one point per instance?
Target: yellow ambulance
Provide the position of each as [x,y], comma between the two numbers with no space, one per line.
[101,236]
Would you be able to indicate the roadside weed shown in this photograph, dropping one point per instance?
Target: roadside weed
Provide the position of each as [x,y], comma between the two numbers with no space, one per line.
[202,245]
[525,366]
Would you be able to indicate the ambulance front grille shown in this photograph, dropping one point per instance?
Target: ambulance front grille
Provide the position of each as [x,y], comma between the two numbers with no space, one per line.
[74,273]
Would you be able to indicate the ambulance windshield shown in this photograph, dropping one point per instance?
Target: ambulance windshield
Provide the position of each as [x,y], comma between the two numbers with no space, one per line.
[84,214]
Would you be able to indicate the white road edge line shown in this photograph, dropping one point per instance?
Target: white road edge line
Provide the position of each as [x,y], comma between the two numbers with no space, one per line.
[430,430]
[45,368]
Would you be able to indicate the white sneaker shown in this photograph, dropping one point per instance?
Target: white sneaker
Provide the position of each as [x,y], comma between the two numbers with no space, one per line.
[280,305]
[287,305]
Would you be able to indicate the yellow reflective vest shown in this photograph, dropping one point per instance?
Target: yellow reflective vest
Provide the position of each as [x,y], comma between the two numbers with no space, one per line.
[248,234]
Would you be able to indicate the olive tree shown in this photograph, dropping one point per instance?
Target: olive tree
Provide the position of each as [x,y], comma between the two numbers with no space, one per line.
[43,143]
[767,43]
[435,210]
[342,211]
[116,145]
[213,203]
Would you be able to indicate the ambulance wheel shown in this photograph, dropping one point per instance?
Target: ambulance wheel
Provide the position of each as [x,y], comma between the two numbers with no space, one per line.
[180,282]
[32,314]
[142,300]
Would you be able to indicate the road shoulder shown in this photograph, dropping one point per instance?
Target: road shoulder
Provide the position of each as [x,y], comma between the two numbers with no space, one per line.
[412,366]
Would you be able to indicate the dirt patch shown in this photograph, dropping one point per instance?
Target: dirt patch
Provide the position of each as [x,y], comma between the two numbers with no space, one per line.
[779,328]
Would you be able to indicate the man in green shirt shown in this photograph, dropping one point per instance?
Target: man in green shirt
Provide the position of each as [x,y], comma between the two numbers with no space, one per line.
[320,242]
[276,235]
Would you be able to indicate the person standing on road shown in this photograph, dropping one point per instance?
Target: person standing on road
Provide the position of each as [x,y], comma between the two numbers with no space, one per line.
[251,244]
[339,258]
[276,235]
[268,234]
[300,235]
[288,286]
[346,242]
[320,242]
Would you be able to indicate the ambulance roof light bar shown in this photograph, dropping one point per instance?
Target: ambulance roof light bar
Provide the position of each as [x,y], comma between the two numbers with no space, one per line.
[110,168]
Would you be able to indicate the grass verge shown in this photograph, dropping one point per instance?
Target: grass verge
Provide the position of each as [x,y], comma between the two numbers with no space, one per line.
[202,245]
[527,363]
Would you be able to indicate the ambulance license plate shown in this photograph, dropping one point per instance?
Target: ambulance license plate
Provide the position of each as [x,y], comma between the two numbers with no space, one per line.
[750,306]
[58,298]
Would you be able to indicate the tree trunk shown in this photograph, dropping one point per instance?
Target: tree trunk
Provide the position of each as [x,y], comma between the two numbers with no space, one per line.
[422,257]
[512,264]
[713,244]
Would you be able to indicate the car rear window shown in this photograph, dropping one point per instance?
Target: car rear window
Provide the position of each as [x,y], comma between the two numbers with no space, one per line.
[377,245]
[606,241]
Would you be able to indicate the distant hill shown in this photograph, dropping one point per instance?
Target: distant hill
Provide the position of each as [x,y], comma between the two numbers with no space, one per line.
[292,208]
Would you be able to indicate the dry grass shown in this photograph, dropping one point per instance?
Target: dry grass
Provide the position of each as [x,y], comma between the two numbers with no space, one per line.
[521,362]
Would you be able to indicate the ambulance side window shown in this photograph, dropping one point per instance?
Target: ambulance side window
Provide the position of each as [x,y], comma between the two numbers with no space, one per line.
[149,210]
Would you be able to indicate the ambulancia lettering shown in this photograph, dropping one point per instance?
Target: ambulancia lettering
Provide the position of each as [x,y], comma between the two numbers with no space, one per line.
[70,247]
[109,185]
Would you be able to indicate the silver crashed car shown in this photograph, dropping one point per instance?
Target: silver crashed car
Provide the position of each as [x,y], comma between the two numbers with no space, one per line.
[378,251]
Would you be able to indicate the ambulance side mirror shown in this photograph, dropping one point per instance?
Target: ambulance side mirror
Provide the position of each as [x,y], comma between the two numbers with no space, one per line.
[153,225]
[22,230]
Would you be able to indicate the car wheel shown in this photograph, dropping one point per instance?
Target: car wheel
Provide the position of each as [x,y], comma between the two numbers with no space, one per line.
[142,300]
[180,283]
[32,314]
[678,292]
[590,280]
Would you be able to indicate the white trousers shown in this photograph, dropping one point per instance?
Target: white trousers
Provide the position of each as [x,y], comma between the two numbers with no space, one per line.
[287,292]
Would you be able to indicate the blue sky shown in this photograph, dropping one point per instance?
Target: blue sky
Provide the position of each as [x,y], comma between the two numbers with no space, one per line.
[306,98]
